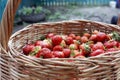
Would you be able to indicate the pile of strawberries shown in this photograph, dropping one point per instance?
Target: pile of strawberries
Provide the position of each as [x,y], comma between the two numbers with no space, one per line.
[73,46]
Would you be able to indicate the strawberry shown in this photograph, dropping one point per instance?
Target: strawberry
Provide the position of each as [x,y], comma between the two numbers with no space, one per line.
[85,48]
[95,32]
[97,52]
[46,53]
[69,40]
[93,37]
[84,39]
[35,50]
[79,56]
[72,35]
[74,53]
[66,52]
[101,36]
[56,40]
[98,45]
[111,44]
[86,34]
[38,43]
[73,47]
[46,44]
[63,44]
[57,48]
[50,35]
[112,49]
[78,38]
[28,48]
[58,54]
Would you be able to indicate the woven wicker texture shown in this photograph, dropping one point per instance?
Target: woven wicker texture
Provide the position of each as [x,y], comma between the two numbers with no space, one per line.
[6,26]
[101,67]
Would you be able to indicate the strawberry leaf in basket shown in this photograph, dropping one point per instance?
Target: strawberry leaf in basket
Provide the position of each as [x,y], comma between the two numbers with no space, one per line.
[116,36]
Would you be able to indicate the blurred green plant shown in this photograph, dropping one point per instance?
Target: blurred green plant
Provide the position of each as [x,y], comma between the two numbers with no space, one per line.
[26,11]
[38,9]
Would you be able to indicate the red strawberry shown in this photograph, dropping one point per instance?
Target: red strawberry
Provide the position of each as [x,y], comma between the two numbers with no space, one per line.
[69,40]
[57,48]
[66,52]
[84,39]
[93,37]
[79,56]
[38,55]
[38,43]
[28,48]
[78,38]
[72,35]
[58,54]
[50,35]
[46,44]
[56,40]
[46,53]
[112,49]
[98,45]
[95,32]
[86,34]
[111,44]
[97,52]
[101,36]
[85,48]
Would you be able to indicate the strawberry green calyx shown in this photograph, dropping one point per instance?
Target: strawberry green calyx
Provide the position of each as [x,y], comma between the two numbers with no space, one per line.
[35,51]
[87,48]
[115,36]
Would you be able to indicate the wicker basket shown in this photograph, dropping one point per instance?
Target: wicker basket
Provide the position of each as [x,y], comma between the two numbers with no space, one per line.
[102,67]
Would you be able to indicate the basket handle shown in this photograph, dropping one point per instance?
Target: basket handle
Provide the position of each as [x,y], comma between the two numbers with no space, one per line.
[6,25]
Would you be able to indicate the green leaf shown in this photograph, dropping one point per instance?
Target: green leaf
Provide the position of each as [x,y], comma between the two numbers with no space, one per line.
[115,36]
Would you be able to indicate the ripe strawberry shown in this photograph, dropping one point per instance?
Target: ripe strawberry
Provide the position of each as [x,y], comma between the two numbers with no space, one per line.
[78,38]
[84,39]
[86,34]
[98,45]
[46,44]
[93,37]
[97,52]
[112,49]
[95,32]
[66,52]
[57,48]
[37,43]
[72,35]
[56,40]
[101,36]
[111,44]
[85,48]
[46,53]
[35,50]
[38,55]
[28,48]
[50,35]
[69,40]
[58,54]
[79,56]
